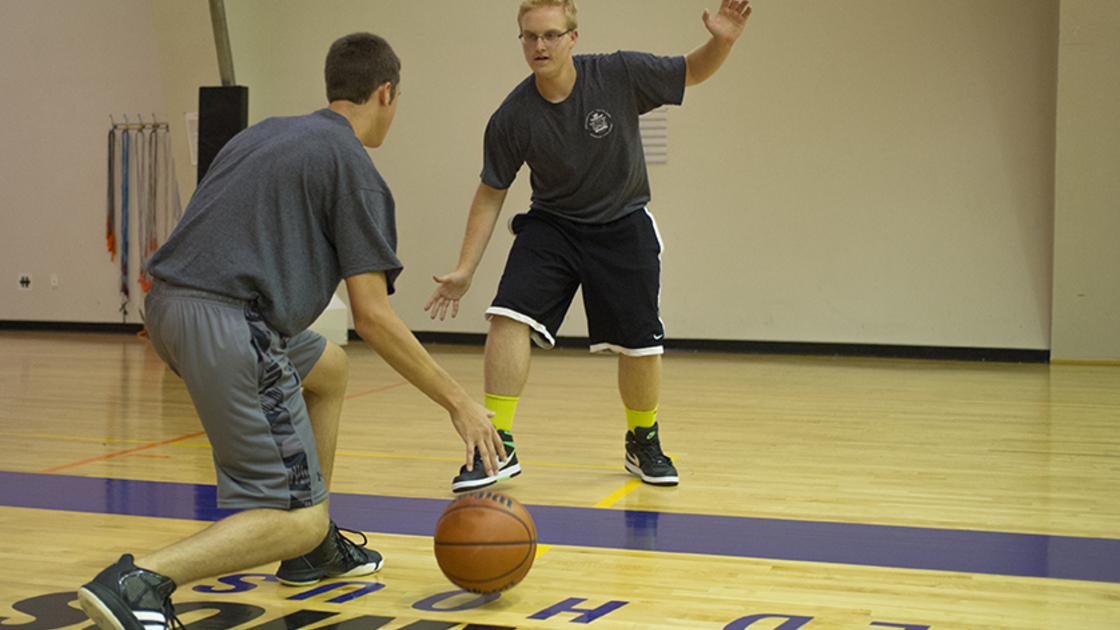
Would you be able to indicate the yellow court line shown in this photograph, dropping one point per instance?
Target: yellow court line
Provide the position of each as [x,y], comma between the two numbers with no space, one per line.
[459,459]
[617,495]
[349,453]
[613,498]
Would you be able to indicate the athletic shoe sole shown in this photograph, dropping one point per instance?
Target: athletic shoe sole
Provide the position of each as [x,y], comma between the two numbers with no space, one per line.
[358,571]
[106,609]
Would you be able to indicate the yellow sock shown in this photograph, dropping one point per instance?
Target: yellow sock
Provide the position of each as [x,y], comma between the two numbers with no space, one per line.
[503,407]
[644,419]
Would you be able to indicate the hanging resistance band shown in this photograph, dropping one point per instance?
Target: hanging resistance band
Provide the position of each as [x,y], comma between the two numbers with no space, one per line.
[141,207]
[111,211]
[124,223]
[149,195]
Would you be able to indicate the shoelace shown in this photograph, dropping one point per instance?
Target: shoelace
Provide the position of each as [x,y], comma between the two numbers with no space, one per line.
[349,547]
[168,610]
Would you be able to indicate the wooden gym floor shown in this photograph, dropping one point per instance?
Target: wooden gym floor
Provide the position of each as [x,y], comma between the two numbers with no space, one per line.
[816,493]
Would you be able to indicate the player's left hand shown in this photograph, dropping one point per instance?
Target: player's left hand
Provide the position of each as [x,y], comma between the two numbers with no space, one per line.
[450,288]
[728,22]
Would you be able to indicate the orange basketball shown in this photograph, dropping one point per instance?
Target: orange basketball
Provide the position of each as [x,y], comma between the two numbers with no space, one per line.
[485,542]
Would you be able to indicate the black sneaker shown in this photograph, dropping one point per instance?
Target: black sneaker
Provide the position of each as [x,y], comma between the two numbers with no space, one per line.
[645,459]
[126,597]
[337,557]
[478,478]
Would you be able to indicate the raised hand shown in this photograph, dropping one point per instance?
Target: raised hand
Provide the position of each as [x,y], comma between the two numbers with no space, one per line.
[728,22]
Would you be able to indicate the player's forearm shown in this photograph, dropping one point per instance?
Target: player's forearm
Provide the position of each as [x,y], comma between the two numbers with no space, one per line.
[705,59]
[396,344]
[485,209]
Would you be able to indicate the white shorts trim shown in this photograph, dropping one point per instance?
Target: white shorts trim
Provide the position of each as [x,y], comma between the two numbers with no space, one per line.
[537,331]
[630,352]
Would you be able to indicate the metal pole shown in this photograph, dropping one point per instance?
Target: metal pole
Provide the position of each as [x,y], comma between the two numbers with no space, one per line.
[221,40]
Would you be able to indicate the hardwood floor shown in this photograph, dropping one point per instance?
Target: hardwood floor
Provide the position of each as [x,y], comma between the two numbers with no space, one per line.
[815,493]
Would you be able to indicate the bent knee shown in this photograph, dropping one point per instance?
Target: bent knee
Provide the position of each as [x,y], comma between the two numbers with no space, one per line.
[331,371]
[310,525]
[503,325]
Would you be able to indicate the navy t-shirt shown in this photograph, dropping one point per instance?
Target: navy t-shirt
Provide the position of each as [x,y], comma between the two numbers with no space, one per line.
[288,208]
[585,153]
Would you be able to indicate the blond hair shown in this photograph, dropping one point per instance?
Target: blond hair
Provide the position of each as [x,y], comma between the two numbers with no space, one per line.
[569,6]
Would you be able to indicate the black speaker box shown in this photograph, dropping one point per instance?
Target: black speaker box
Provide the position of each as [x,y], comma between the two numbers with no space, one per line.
[222,113]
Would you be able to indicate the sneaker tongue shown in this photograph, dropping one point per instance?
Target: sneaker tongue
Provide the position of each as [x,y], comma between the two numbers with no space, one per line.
[145,589]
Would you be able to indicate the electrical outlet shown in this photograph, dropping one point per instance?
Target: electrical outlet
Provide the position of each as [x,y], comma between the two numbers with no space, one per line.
[24,282]
[54,280]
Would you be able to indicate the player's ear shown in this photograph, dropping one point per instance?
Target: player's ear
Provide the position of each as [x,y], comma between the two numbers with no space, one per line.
[385,93]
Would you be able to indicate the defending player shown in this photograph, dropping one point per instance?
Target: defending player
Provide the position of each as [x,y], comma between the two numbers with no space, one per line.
[574,121]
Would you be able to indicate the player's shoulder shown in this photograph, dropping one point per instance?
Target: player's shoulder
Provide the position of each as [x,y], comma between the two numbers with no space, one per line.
[517,104]
[525,89]
[616,58]
[614,64]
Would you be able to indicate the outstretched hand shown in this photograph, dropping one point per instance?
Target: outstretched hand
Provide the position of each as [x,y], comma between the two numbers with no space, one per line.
[451,288]
[729,21]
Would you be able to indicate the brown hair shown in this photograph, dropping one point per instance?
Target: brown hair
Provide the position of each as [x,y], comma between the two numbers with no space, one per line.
[357,64]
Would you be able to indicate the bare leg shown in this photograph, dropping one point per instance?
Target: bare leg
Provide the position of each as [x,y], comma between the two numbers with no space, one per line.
[255,537]
[324,390]
[242,541]
[507,357]
[639,381]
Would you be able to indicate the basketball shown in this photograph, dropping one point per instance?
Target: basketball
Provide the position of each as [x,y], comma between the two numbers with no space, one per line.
[485,542]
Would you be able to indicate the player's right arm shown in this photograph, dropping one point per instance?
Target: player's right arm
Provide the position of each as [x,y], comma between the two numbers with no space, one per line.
[377,323]
[485,208]
[725,27]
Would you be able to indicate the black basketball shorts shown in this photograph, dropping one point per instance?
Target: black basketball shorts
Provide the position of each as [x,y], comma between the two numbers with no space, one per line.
[618,265]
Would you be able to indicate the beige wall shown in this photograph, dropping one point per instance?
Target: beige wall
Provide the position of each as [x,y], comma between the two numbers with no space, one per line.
[882,174]
[66,66]
[1087,200]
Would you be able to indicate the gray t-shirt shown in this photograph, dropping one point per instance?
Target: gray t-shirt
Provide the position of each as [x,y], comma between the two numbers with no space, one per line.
[585,153]
[289,207]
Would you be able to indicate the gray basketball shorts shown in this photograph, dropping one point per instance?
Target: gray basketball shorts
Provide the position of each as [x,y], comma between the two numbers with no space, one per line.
[617,264]
[244,380]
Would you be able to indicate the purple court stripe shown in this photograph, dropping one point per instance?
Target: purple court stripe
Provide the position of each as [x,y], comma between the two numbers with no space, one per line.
[995,553]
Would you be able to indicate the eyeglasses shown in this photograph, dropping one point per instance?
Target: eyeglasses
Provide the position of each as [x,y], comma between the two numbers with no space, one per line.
[550,38]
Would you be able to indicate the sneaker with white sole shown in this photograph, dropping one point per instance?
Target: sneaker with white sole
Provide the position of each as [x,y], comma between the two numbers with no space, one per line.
[477,478]
[336,557]
[645,459]
[126,597]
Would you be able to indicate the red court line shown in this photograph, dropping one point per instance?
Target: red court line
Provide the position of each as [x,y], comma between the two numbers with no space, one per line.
[119,453]
[186,437]
[379,389]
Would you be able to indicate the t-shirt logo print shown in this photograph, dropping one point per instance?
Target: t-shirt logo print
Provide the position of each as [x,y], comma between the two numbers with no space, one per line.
[598,123]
